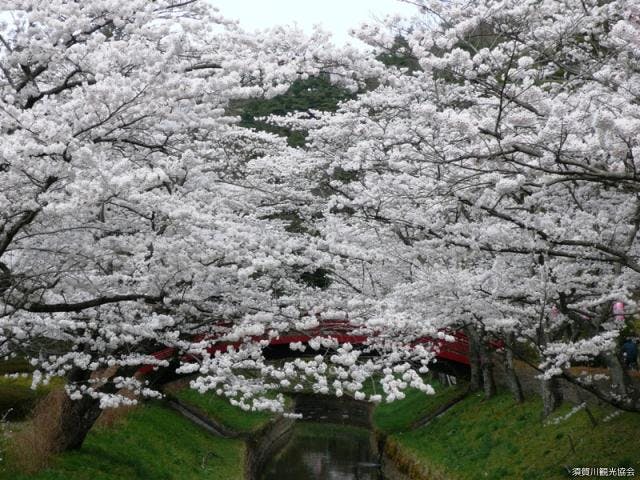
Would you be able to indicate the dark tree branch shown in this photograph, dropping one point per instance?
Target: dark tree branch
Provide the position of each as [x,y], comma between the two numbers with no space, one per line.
[96,302]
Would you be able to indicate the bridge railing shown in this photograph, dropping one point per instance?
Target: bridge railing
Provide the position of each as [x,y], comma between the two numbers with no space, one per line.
[340,330]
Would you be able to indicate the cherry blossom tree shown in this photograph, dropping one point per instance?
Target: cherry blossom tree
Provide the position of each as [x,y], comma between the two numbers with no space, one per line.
[137,215]
[129,217]
[498,179]
[487,184]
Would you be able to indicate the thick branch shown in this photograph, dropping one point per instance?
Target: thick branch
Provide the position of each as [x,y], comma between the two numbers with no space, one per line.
[96,302]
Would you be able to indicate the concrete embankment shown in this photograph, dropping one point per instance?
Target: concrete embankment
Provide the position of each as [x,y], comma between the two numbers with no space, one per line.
[265,443]
[260,444]
[399,464]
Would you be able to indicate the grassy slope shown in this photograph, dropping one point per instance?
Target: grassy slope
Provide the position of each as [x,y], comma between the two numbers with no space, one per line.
[16,397]
[478,439]
[219,409]
[151,443]
[399,416]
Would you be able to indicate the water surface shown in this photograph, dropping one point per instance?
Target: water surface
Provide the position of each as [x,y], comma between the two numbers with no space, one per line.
[325,451]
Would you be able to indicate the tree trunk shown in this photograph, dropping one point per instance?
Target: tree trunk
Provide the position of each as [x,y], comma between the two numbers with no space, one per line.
[551,396]
[475,380]
[76,416]
[76,419]
[512,377]
[619,377]
[488,381]
[486,367]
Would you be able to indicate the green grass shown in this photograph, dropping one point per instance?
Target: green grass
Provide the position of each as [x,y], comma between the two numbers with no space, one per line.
[151,443]
[220,410]
[17,399]
[399,416]
[15,365]
[495,439]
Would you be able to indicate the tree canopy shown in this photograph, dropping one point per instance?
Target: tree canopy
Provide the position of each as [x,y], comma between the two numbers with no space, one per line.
[478,173]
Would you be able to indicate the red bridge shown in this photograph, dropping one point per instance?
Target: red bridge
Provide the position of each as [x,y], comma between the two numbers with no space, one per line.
[340,331]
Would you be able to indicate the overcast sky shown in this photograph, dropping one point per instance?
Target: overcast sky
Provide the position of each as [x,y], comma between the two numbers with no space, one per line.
[337,16]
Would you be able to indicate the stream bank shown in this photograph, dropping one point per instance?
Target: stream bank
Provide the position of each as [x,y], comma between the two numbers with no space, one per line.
[501,439]
[334,439]
[417,438]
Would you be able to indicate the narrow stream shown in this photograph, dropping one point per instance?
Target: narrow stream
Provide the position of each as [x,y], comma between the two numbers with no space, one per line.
[334,442]
[325,451]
